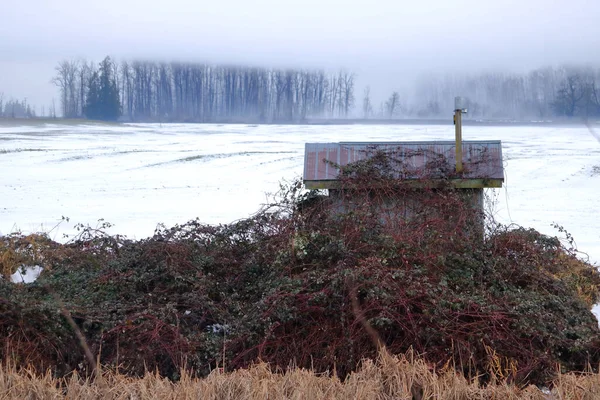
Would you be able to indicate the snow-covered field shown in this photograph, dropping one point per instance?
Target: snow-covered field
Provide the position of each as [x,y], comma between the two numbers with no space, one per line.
[136,176]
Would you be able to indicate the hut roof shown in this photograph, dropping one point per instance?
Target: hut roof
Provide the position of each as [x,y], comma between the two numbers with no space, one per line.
[413,162]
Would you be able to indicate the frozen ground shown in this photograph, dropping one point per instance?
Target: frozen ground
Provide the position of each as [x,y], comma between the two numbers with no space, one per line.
[136,176]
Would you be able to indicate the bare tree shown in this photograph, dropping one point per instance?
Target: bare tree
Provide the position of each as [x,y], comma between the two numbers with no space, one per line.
[392,105]
[347,92]
[127,96]
[53,109]
[569,96]
[84,75]
[367,106]
[66,79]
[589,105]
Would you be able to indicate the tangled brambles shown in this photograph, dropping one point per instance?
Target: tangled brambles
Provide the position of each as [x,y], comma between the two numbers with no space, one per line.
[312,281]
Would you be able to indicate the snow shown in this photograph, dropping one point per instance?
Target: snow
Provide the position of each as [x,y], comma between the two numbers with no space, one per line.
[26,274]
[136,176]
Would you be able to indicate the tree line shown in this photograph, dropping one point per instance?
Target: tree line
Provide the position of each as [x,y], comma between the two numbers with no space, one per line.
[542,93]
[199,92]
[196,92]
[13,108]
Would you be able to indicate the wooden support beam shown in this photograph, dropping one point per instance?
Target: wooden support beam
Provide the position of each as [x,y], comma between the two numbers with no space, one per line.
[458,131]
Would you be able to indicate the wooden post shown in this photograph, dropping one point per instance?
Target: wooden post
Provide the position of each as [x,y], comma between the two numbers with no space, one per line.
[458,131]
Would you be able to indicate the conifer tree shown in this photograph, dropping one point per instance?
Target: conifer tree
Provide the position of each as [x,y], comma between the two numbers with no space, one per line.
[92,105]
[103,101]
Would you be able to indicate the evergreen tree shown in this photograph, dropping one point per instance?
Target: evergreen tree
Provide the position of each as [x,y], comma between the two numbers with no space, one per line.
[103,101]
[92,104]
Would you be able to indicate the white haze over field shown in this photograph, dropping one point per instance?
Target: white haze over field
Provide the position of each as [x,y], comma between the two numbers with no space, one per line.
[136,176]
[388,43]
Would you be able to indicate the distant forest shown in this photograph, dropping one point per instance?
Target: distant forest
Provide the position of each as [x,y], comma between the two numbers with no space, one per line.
[146,91]
[151,91]
[540,94]
[16,108]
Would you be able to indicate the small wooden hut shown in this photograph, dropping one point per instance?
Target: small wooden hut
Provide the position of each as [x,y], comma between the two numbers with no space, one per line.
[423,169]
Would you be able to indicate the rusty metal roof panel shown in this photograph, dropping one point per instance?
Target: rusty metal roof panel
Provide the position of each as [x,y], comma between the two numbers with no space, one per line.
[481,159]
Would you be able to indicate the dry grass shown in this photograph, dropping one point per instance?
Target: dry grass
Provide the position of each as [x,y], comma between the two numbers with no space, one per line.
[389,377]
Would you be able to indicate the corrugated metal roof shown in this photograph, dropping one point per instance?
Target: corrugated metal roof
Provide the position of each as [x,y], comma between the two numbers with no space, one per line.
[481,159]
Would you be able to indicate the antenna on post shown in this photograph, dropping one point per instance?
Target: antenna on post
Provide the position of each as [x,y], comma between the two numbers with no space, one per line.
[458,111]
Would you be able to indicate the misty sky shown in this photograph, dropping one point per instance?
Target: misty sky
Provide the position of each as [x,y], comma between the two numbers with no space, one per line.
[386,42]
